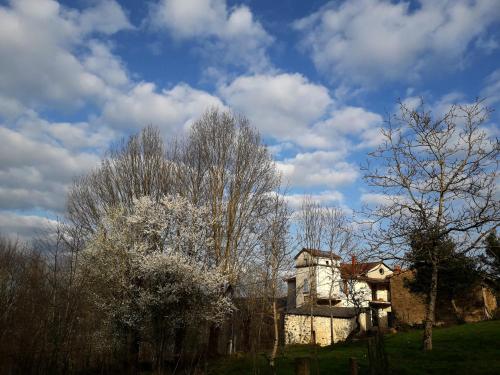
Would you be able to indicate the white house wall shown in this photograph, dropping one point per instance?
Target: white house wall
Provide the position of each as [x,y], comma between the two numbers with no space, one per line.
[327,278]
[382,295]
[362,293]
[374,273]
[302,274]
[319,275]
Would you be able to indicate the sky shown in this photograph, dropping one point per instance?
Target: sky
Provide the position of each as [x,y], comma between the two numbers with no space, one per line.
[316,78]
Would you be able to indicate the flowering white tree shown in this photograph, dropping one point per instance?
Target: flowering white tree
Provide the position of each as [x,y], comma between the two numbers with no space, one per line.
[149,271]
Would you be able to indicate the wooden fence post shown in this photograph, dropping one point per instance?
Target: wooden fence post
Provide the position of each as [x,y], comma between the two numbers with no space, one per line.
[377,356]
[353,365]
[302,366]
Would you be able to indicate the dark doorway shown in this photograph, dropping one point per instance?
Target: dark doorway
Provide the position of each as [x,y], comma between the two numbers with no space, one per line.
[390,319]
[374,315]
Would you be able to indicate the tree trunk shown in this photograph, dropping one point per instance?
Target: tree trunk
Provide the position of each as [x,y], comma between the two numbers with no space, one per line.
[313,334]
[213,341]
[332,333]
[358,322]
[180,334]
[133,352]
[160,343]
[276,335]
[456,310]
[431,309]
[487,313]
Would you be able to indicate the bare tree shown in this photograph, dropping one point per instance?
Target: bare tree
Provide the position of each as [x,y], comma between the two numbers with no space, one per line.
[134,168]
[224,165]
[323,227]
[310,235]
[355,290]
[437,175]
[277,260]
[338,238]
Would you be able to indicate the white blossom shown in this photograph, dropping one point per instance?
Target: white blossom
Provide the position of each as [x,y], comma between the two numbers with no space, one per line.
[152,263]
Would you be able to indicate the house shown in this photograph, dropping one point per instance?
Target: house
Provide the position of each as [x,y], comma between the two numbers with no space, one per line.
[328,300]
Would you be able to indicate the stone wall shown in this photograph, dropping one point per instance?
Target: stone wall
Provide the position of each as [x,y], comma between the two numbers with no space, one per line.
[409,308]
[298,329]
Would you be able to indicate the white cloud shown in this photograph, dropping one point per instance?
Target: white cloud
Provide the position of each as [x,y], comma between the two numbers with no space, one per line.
[368,41]
[491,92]
[234,33]
[280,106]
[73,136]
[40,66]
[289,108]
[101,62]
[171,110]
[107,17]
[318,169]
[380,199]
[10,107]
[376,199]
[351,121]
[326,198]
[37,174]
[24,227]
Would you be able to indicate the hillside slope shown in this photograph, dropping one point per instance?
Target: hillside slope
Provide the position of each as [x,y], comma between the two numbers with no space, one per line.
[465,349]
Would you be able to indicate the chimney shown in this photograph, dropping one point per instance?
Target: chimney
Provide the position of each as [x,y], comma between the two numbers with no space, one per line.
[397,268]
[353,260]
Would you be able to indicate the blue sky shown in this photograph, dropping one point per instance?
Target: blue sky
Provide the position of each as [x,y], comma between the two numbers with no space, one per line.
[316,78]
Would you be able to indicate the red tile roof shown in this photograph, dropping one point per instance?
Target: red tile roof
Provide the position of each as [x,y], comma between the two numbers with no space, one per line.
[355,269]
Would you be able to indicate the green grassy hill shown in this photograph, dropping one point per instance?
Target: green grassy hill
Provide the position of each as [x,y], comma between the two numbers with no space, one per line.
[465,349]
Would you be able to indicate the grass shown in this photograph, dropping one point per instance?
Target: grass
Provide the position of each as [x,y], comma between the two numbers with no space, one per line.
[464,349]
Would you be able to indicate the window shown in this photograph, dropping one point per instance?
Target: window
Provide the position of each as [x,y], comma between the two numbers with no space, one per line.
[381,271]
[306,286]
[327,262]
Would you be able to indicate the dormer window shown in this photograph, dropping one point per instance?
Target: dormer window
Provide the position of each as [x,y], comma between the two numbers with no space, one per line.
[306,286]
[381,271]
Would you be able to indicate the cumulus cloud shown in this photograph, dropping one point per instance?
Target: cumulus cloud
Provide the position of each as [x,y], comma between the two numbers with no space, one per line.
[282,106]
[491,91]
[290,108]
[23,227]
[74,136]
[375,199]
[37,174]
[351,121]
[326,198]
[107,17]
[240,39]
[367,41]
[40,66]
[171,110]
[318,169]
